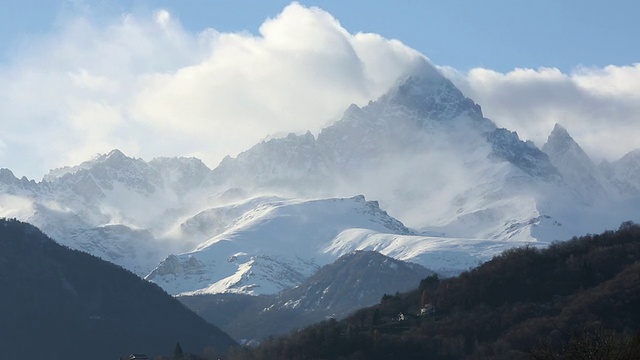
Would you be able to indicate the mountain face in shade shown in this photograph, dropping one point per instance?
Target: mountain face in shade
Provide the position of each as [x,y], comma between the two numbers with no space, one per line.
[60,303]
[355,278]
[336,290]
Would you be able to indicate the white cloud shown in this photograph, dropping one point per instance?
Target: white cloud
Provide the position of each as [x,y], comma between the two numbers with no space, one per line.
[599,107]
[151,88]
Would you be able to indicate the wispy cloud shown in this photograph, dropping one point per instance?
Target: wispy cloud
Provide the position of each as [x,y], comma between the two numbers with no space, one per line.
[149,87]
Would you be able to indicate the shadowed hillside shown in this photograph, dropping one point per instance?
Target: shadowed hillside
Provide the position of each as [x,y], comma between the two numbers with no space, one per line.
[59,303]
[354,280]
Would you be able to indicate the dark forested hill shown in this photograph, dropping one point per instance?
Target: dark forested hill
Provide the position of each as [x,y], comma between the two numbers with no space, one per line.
[57,303]
[582,295]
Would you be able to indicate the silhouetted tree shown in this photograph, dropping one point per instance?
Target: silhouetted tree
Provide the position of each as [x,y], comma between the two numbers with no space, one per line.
[177,352]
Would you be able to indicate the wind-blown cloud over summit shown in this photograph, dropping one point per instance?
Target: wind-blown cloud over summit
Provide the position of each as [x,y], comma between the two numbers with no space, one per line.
[599,107]
[150,87]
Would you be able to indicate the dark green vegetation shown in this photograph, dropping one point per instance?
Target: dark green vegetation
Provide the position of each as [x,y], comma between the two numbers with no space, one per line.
[58,303]
[578,299]
[354,280]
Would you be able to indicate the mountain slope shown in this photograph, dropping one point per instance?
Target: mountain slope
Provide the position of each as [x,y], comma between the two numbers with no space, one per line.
[280,243]
[113,206]
[577,169]
[625,174]
[271,247]
[584,292]
[65,304]
[336,290]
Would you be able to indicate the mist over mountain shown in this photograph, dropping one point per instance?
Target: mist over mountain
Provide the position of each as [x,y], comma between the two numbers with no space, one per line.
[444,187]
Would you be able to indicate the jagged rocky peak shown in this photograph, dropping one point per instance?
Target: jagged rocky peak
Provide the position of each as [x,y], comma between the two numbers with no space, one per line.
[507,146]
[7,176]
[431,95]
[113,159]
[286,161]
[187,163]
[115,155]
[118,160]
[273,146]
[422,101]
[182,174]
[10,183]
[92,177]
[559,141]
[564,152]
[559,132]
[575,166]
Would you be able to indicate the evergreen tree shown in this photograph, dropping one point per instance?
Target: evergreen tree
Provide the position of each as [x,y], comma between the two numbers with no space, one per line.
[177,352]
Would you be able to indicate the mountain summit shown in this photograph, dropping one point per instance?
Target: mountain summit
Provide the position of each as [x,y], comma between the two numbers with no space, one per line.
[577,169]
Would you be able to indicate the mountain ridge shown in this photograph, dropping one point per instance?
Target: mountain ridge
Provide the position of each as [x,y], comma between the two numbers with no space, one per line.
[423,150]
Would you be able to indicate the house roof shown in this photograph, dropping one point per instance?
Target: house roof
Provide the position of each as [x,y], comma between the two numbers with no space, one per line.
[138,357]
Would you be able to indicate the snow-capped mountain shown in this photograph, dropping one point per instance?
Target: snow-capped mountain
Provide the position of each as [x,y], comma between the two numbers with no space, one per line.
[425,152]
[113,206]
[354,280]
[625,174]
[464,188]
[272,247]
[278,244]
[577,169]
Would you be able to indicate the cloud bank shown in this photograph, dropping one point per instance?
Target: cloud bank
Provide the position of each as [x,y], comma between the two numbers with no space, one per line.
[599,107]
[149,87]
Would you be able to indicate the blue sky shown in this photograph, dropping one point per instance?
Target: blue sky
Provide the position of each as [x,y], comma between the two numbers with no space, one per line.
[496,34]
[211,78]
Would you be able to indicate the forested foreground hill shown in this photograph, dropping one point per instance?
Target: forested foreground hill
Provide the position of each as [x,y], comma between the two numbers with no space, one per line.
[58,303]
[578,296]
